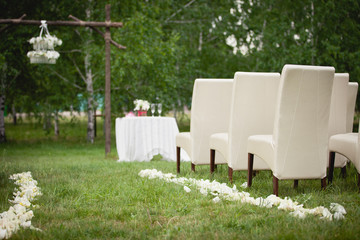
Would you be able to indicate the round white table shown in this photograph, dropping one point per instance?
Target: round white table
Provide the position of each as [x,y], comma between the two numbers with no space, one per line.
[141,138]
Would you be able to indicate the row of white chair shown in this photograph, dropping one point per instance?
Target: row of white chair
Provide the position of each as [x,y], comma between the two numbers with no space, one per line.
[268,121]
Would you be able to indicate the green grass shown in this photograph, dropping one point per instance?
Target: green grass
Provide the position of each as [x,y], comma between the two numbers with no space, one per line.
[88,196]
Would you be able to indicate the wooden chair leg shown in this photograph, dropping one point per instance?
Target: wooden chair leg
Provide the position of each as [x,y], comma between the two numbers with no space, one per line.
[212,160]
[178,159]
[275,186]
[296,183]
[331,166]
[230,173]
[250,168]
[343,172]
[192,167]
[323,183]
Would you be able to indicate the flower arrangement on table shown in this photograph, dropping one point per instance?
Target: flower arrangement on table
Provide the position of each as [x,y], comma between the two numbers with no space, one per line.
[141,106]
[44,47]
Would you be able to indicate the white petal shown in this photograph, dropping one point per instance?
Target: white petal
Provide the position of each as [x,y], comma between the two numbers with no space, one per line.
[338,216]
[244,185]
[216,200]
[187,189]
[2,233]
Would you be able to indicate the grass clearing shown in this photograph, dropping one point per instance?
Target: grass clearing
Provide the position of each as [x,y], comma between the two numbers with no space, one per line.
[88,196]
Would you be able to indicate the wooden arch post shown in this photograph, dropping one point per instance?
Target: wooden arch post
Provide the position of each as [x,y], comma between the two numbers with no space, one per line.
[107,36]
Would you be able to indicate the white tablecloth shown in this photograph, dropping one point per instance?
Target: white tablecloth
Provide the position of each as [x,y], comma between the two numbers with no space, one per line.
[141,138]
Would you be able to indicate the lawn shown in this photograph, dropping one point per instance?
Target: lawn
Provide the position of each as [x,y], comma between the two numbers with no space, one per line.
[88,196]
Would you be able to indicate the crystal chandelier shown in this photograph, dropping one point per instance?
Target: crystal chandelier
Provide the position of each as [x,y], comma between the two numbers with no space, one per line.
[43,47]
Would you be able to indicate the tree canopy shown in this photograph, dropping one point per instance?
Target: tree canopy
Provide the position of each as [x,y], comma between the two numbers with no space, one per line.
[170,43]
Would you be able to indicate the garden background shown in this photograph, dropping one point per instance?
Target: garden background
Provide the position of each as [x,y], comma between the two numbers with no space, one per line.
[169,44]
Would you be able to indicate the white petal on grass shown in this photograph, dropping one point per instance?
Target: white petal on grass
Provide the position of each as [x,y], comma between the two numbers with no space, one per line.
[2,233]
[327,214]
[20,214]
[244,185]
[337,208]
[187,189]
[203,191]
[223,192]
[216,200]
[298,214]
[338,216]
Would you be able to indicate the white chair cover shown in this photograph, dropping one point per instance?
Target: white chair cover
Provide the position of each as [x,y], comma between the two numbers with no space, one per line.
[252,112]
[210,113]
[338,110]
[351,102]
[348,145]
[298,148]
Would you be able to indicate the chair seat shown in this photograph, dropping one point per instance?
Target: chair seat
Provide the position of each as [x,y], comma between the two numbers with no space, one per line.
[263,146]
[183,140]
[220,142]
[344,144]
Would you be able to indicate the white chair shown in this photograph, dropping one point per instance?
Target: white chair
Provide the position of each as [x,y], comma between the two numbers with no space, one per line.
[298,147]
[252,112]
[210,111]
[346,139]
[338,112]
[351,102]
[348,145]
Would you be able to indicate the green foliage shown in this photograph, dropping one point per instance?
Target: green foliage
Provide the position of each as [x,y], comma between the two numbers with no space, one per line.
[145,70]
[170,43]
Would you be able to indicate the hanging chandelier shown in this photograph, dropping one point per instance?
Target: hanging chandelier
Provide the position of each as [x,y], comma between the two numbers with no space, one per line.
[43,47]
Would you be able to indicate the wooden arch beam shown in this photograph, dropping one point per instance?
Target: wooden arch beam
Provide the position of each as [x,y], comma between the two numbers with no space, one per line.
[99,32]
[63,23]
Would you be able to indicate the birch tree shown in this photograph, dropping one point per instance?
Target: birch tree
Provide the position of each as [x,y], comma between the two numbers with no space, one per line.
[89,80]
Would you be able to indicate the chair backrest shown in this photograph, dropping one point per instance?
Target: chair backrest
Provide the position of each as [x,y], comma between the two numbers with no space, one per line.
[338,110]
[301,122]
[357,160]
[338,106]
[351,102]
[210,112]
[252,112]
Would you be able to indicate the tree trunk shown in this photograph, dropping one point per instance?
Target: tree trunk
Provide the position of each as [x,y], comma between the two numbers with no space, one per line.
[90,109]
[56,123]
[47,118]
[89,83]
[47,122]
[13,110]
[2,119]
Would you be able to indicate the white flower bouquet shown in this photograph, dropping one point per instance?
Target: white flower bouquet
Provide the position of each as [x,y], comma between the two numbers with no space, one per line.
[141,106]
[44,47]
[48,42]
[43,56]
